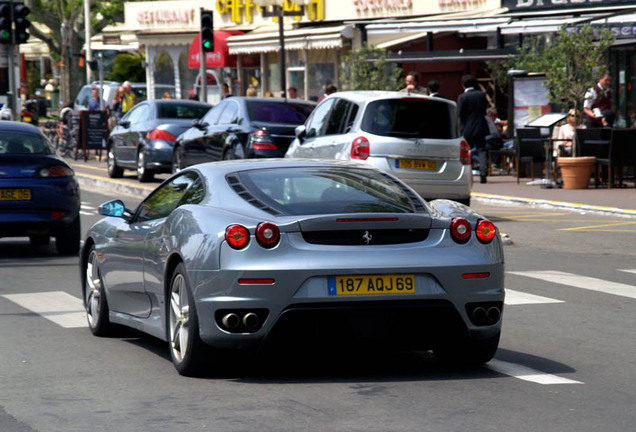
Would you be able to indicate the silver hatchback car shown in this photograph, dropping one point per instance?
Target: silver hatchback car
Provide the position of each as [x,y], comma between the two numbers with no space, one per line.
[416,138]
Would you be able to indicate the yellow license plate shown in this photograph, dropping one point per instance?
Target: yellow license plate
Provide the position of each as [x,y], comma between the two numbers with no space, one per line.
[15,194]
[371,284]
[416,164]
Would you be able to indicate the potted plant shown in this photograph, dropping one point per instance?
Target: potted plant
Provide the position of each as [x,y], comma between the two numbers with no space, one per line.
[572,62]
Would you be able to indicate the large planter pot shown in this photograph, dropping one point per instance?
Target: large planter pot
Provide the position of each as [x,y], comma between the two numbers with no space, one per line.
[576,171]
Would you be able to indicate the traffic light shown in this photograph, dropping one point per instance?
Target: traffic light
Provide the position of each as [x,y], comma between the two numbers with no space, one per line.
[20,12]
[207,31]
[5,22]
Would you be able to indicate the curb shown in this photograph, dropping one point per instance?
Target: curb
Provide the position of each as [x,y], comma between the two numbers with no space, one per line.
[581,208]
[141,190]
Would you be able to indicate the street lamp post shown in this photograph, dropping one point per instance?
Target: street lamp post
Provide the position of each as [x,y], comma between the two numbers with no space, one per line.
[279,12]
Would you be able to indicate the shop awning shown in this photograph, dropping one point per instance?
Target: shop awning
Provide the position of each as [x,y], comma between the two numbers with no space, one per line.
[219,58]
[305,38]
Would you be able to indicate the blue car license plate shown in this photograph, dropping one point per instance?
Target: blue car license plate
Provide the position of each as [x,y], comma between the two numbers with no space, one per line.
[16,194]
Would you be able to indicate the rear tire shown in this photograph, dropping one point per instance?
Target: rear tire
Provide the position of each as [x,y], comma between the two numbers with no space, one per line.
[177,160]
[67,241]
[143,174]
[95,300]
[114,171]
[187,350]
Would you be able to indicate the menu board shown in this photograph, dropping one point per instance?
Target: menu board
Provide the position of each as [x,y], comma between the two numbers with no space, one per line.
[93,129]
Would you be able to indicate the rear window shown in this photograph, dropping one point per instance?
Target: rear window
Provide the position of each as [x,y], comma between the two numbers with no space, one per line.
[278,112]
[326,190]
[182,111]
[24,143]
[411,118]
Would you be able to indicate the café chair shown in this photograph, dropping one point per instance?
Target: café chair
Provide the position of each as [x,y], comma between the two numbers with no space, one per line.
[529,149]
[594,142]
[622,153]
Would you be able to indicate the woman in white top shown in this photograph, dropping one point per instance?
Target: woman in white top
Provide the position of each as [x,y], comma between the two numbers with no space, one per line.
[566,133]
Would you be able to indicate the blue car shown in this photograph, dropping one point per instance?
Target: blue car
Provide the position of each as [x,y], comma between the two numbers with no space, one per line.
[39,196]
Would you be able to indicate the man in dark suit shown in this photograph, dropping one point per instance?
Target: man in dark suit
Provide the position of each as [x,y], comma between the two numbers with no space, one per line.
[471,108]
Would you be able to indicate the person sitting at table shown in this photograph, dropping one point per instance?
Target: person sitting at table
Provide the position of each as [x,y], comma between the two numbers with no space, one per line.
[565,135]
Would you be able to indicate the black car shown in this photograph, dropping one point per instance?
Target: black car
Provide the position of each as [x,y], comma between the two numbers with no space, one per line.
[240,128]
[144,138]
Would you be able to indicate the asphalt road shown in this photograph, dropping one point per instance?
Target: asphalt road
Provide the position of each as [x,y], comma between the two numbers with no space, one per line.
[565,363]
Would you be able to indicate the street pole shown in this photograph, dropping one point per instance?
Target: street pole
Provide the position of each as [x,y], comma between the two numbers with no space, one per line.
[87,36]
[281,38]
[202,69]
[12,94]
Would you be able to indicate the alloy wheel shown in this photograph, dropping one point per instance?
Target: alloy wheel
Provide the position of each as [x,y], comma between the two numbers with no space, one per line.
[179,318]
[94,291]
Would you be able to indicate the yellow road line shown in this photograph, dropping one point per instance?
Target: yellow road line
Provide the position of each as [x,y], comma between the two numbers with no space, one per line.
[596,227]
[88,167]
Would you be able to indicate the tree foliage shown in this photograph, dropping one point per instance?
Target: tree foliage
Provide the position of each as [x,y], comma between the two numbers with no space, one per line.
[572,62]
[128,66]
[368,69]
[62,30]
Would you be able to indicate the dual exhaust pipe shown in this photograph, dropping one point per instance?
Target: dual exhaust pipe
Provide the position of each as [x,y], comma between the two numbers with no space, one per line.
[484,314]
[241,320]
[232,320]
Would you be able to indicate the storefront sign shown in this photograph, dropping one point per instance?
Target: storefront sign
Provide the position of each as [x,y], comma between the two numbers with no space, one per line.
[381,5]
[183,16]
[532,5]
[624,30]
[243,11]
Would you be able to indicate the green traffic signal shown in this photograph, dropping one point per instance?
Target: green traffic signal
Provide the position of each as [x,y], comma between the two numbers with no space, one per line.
[5,22]
[20,12]
[207,31]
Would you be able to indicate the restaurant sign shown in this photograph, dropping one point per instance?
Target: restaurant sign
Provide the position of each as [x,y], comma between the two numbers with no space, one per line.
[623,30]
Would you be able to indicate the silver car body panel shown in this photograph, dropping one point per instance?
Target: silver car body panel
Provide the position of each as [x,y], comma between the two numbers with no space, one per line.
[135,260]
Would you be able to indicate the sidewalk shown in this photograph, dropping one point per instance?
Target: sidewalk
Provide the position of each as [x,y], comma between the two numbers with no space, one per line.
[502,189]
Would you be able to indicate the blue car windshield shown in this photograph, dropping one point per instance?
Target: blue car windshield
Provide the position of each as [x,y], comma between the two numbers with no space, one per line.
[326,190]
[24,143]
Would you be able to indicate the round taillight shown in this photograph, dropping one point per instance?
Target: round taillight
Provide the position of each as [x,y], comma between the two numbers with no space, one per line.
[485,231]
[267,234]
[460,230]
[360,148]
[237,236]
[464,153]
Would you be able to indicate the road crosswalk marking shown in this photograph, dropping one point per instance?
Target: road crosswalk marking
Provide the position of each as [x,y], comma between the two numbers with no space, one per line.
[527,374]
[87,209]
[583,282]
[628,270]
[515,298]
[68,311]
[59,307]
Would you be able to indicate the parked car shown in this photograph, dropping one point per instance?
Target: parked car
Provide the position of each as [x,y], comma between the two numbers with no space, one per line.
[143,139]
[109,88]
[257,253]
[240,128]
[416,138]
[39,196]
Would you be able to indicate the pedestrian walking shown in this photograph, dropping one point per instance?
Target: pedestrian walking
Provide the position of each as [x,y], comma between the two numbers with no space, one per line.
[471,108]
[128,99]
[328,90]
[433,88]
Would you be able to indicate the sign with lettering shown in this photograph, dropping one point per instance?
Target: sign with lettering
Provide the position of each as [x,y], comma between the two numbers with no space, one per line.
[93,129]
[244,11]
[534,5]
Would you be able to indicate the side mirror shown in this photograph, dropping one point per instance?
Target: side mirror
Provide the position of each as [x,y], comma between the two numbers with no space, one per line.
[115,208]
[300,132]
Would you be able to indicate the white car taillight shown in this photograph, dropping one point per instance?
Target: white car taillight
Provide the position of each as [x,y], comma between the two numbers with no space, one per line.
[464,153]
[360,148]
